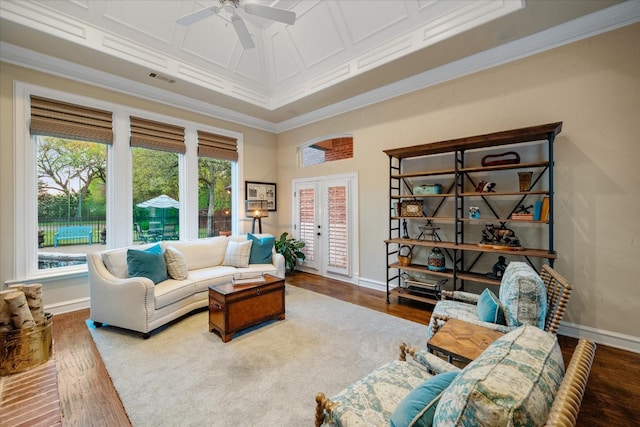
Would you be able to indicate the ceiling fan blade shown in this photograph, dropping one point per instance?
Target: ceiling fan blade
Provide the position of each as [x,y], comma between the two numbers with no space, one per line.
[273,13]
[243,32]
[196,16]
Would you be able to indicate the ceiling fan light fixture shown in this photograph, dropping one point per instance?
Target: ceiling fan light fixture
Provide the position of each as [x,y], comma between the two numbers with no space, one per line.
[228,7]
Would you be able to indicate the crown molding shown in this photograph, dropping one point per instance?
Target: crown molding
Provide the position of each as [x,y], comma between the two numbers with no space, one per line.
[614,17]
[609,19]
[50,65]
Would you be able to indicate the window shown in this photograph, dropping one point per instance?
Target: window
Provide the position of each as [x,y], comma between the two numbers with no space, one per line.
[71,178]
[215,156]
[155,151]
[103,177]
[327,150]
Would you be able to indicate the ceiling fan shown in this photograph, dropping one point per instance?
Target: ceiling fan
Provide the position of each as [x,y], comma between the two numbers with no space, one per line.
[229,10]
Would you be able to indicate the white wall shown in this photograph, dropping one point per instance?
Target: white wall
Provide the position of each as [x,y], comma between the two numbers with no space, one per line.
[593,86]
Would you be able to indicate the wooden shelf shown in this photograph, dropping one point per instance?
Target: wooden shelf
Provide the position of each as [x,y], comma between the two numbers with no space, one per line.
[405,293]
[485,220]
[421,268]
[540,253]
[424,173]
[419,196]
[505,193]
[505,167]
[476,277]
[428,218]
[496,139]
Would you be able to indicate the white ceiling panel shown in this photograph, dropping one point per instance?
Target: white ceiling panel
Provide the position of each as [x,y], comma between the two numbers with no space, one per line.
[285,61]
[213,40]
[316,36]
[366,18]
[249,66]
[134,16]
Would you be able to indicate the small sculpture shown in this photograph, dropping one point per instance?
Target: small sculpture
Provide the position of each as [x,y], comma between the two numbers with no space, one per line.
[501,236]
[498,269]
[485,187]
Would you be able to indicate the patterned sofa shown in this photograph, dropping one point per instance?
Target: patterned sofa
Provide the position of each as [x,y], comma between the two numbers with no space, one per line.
[519,380]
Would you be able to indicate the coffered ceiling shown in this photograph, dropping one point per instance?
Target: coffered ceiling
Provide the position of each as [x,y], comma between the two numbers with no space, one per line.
[335,52]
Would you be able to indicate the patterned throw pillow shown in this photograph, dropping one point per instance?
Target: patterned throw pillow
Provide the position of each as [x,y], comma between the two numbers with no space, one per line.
[523,296]
[176,264]
[512,383]
[148,263]
[261,249]
[489,308]
[237,254]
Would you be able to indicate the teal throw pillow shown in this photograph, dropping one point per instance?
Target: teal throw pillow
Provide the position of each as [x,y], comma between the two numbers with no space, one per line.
[490,308]
[148,263]
[261,249]
[419,406]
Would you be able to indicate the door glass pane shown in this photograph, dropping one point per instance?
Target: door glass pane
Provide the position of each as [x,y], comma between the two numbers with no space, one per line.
[337,248]
[71,200]
[307,210]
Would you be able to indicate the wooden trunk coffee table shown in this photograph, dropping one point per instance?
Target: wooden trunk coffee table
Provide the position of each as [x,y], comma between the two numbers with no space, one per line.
[235,307]
[461,340]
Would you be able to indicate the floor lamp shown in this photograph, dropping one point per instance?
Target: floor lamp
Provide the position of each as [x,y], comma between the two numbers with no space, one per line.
[257,209]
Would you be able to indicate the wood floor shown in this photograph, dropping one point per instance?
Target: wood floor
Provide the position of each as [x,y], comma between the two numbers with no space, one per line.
[88,398]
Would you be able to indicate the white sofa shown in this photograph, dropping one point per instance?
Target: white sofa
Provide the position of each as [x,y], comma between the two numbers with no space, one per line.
[136,303]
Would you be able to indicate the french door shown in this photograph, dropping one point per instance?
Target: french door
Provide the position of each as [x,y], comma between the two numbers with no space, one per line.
[325,220]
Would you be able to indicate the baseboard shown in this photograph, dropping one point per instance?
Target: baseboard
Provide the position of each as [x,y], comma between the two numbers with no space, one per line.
[599,336]
[67,306]
[372,285]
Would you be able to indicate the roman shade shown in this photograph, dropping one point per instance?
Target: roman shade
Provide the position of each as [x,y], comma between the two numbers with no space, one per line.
[157,136]
[50,117]
[217,146]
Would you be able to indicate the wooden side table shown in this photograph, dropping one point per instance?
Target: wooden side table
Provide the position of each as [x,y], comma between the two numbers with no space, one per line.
[461,340]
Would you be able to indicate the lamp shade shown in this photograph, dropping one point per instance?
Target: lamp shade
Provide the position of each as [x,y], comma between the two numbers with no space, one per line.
[256,208]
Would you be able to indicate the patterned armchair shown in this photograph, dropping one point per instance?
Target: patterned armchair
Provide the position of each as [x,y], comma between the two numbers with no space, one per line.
[519,380]
[525,297]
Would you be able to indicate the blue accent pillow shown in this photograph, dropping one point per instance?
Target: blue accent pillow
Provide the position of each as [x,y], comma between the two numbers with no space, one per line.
[261,249]
[147,263]
[419,406]
[490,309]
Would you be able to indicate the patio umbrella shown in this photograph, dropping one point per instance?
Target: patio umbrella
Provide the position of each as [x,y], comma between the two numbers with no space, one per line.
[161,202]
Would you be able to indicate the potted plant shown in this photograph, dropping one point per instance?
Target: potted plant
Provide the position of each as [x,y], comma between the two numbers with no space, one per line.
[290,249]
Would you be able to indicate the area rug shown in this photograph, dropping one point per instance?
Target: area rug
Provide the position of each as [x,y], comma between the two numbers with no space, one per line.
[267,375]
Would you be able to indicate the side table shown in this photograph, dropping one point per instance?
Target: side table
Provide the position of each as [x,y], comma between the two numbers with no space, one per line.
[461,340]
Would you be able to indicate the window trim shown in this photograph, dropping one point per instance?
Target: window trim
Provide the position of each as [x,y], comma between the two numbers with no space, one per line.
[118,176]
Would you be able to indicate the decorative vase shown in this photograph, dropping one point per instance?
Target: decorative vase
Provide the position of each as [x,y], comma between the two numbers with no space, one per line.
[524,179]
[436,260]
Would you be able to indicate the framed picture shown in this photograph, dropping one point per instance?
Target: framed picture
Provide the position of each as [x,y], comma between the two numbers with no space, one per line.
[261,191]
[412,208]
